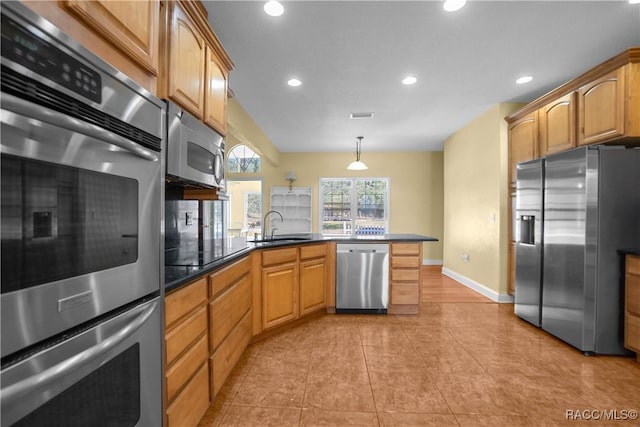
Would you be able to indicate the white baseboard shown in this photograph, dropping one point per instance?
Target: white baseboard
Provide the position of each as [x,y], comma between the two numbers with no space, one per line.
[431,262]
[481,289]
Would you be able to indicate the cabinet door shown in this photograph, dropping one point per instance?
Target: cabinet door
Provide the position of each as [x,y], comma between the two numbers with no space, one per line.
[313,274]
[131,26]
[186,63]
[558,125]
[523,142]
[279,294]
[215,97]
[601,108]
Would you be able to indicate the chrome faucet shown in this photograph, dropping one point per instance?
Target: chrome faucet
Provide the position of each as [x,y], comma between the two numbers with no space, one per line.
[264,224]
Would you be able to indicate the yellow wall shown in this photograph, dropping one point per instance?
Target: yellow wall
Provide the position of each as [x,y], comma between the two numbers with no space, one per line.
[241,129]
[475,189]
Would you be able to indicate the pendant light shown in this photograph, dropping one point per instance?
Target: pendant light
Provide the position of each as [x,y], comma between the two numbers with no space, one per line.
[358,165]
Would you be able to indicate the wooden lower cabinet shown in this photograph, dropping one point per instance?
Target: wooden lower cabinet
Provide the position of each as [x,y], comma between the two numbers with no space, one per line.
[186,353]
[313,278]
[190,405]
[632,304]
[280,299]
[312,285]
[230,317]
[181,371]
[228,353]
[406,260]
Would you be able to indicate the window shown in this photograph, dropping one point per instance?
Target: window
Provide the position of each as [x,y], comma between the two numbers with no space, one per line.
[358,205]
[242,159]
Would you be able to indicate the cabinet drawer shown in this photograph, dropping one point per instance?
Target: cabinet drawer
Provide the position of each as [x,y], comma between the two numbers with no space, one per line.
[313,251]
[226,310]
[227,276]
[185,333]
[229,352]
[186,366]
[632,294]
[279,256]
[405,275]
[632,333]
[405,248]
[405,293]
[184,300]
[633,264]
[405,262]
[192,403]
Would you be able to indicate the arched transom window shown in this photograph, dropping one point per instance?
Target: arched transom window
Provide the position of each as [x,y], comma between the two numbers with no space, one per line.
[242,159]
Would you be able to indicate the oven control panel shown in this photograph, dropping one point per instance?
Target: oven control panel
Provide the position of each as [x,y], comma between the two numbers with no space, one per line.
[27,49]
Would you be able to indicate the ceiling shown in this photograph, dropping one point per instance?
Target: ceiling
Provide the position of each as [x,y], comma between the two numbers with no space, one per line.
[352,55]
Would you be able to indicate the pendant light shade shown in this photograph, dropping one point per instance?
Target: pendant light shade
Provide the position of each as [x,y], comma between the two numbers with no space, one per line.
[358,165]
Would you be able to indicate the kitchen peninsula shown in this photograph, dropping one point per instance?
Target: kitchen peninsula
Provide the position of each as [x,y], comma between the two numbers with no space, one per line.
[251,290]
[233,248]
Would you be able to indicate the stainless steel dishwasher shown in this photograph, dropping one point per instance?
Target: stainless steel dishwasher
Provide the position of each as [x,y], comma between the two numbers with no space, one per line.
[362,278]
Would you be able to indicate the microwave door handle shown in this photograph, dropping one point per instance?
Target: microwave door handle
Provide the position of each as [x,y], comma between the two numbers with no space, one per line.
[15,391]
[47,115]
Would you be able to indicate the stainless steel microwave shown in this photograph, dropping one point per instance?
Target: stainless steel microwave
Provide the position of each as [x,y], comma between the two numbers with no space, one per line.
[195,152]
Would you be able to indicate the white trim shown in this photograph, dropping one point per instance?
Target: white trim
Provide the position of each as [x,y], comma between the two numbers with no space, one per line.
[480,288]
[431,261]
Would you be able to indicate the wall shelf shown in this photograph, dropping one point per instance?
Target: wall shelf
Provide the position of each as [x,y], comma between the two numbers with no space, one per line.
[295,207]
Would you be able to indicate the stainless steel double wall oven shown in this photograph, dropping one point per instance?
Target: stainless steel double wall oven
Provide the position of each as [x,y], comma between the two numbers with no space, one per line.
[81,208]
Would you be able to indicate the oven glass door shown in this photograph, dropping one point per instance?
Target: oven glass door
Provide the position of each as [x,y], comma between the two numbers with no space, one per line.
[80,228]
[108,375]
[59,222]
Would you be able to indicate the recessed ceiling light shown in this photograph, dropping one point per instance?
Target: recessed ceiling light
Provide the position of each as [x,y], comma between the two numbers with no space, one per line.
[453,5]
[294,82]
[409,80]
[367,115]
[524,79]
[273,8]
[634,1]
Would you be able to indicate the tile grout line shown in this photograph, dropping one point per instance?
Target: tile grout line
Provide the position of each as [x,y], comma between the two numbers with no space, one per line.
[366,365]
[428,374]
[306,382]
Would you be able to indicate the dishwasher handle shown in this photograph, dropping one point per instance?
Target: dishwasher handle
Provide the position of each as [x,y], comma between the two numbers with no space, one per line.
[363,251]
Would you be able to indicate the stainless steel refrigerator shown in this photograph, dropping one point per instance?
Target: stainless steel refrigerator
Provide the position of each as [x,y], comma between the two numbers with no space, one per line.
[527,231]
[591,209]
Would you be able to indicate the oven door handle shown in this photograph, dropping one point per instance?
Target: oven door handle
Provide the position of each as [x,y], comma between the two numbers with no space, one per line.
[16,391]
[47,115]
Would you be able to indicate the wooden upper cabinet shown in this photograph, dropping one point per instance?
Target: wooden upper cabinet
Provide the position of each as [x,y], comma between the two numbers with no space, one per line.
[558,125]
[215,97]
[523,141]
[197,66]
[602,108]
[186,67]
[131,26]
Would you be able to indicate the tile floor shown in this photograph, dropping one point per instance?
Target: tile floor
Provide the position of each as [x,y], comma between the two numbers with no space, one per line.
[454,364]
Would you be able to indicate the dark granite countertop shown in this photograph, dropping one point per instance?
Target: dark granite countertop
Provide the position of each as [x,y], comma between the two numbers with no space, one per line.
[629,251]
[176,276]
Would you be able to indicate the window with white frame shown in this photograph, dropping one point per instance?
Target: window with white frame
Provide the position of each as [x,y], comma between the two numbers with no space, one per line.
[354,206]
[242,159]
